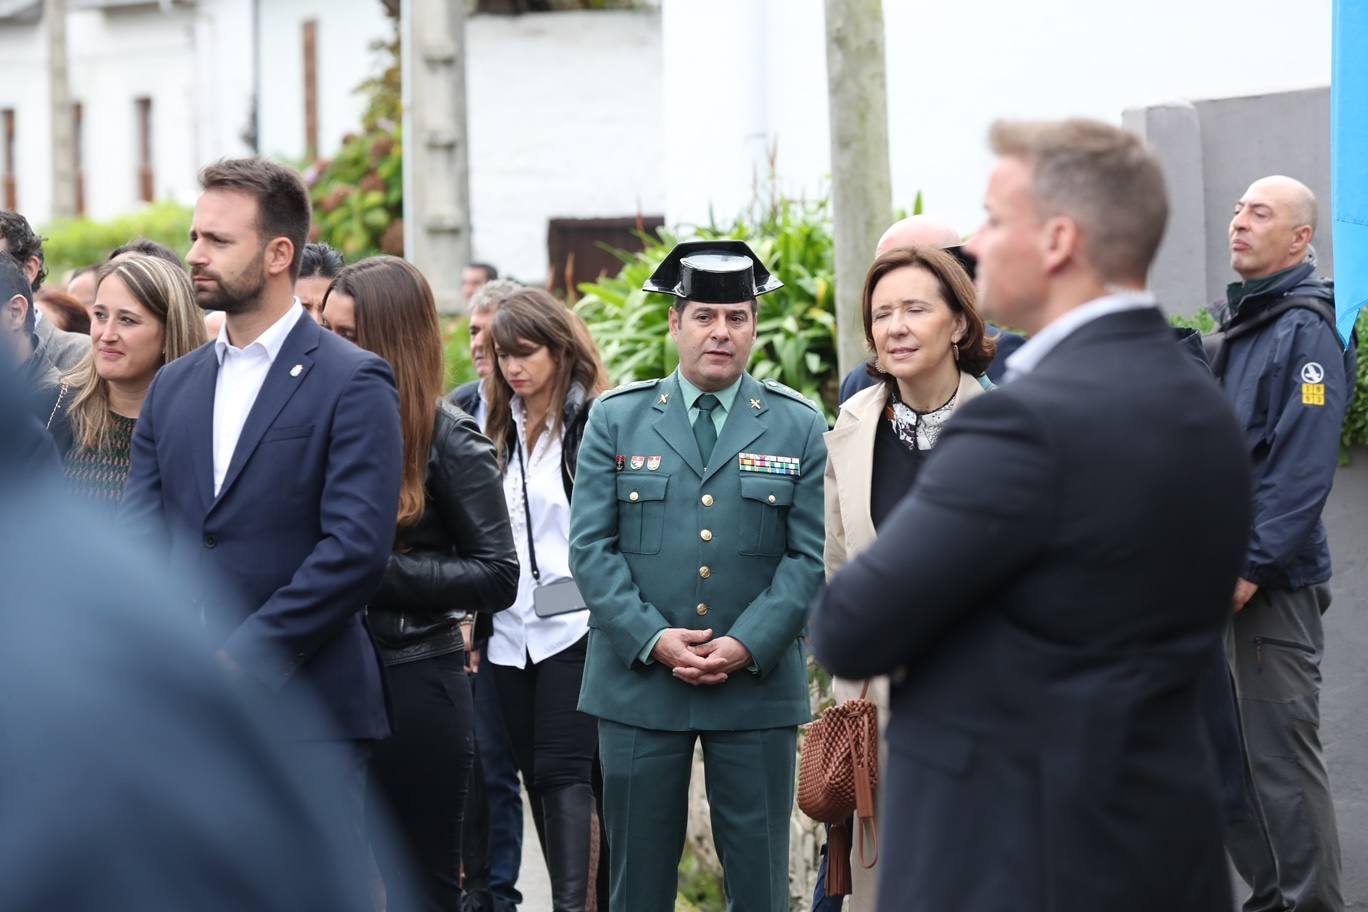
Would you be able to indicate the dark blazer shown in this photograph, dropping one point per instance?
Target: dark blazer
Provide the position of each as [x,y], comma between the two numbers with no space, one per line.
[466,397]
[1046,635]
[297,539]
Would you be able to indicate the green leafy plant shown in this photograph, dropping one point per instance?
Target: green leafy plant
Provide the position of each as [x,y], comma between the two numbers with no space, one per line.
[796,325]
[1355,431]
[74,243]
[460,367]
[358,195]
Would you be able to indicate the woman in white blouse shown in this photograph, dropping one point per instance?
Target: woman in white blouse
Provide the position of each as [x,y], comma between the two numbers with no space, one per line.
[546,376]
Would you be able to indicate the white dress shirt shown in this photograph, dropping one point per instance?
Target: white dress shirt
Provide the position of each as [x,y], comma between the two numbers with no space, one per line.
[518,632]
[1025,359]
[241,373]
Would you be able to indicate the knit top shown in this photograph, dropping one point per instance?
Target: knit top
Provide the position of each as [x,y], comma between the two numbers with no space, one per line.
[99,474]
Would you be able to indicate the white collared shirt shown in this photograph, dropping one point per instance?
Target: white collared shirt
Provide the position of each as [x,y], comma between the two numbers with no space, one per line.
[518,632]
[241,373]
[1025,359]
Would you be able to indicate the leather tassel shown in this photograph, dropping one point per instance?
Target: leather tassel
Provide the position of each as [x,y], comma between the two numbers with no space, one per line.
[838,860]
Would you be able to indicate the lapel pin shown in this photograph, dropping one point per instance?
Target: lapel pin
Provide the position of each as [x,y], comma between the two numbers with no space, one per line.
[755,403]
[296,370]
[664,399]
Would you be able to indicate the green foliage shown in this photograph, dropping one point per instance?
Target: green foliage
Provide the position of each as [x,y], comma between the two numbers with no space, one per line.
[796,325]
[74,243]
[358,195]
[1355,432]
[700,889]
[1202,321]
[460,368]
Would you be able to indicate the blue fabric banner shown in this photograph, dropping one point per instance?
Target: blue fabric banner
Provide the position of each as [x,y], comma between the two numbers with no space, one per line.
[1349,159]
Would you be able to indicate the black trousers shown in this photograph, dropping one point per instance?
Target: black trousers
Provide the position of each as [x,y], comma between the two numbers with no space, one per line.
[419,776]
[553,743]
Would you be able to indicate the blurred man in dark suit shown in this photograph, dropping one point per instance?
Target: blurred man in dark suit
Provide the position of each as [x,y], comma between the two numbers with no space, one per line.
[136,779]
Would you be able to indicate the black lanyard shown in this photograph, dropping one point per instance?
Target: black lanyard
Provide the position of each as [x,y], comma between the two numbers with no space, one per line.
[527,510]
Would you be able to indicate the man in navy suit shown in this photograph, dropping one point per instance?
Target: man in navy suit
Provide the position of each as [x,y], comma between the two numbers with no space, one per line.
[268,465]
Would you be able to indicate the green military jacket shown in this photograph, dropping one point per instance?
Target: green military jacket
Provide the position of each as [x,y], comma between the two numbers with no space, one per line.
[659,540]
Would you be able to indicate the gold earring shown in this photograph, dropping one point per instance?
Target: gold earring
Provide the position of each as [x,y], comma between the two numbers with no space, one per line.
[955,346]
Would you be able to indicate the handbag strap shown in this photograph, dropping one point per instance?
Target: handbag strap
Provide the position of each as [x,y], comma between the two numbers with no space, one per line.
[527,510]
[864,691]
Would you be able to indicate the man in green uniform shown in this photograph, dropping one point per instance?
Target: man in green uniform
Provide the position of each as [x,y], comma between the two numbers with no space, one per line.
[696,540]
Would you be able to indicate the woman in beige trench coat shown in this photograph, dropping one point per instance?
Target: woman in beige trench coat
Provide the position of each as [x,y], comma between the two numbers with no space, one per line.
[930,351]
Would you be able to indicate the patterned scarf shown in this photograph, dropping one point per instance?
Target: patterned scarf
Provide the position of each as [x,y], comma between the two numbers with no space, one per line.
[917,430]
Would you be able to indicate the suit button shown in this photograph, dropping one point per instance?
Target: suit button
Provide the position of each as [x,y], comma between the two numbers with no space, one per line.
[210,541]
[634,497]
[706,535]
[702,609]
[707,500]
[705,571]
[772,499]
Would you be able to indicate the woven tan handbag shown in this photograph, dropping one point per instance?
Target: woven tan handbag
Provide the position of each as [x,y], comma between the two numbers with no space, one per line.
[838,772]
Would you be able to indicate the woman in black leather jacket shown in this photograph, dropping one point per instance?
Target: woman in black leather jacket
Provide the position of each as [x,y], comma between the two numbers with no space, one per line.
[453,556]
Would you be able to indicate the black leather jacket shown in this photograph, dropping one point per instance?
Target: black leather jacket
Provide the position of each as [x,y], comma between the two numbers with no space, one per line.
[458,557]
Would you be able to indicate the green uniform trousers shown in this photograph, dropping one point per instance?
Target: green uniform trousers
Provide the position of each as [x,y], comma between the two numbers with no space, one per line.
[750,783]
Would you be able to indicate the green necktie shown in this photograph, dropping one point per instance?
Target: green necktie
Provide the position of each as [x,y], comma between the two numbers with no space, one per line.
[705,432]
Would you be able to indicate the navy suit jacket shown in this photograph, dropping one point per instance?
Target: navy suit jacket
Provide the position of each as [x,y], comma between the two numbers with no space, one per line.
[298,537]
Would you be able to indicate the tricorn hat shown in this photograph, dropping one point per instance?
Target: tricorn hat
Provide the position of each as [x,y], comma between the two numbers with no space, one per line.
[712,272]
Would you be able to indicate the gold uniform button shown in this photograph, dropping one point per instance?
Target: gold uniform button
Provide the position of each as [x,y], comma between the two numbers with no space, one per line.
[706,535]
[772,499]
[707,500]
[702,609]
[705,571]
[634,497]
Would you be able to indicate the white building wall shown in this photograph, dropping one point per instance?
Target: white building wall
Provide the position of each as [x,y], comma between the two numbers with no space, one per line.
[346,29]
[193,62]
[24,88]
[952,69]
[565,119]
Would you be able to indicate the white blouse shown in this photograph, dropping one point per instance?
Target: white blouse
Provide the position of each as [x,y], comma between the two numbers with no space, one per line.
[518,632]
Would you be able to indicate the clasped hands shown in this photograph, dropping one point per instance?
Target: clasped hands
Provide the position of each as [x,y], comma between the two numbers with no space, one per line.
[694,657]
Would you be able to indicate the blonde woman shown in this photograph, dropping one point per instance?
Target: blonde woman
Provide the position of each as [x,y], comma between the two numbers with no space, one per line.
[930,353]
[144,316]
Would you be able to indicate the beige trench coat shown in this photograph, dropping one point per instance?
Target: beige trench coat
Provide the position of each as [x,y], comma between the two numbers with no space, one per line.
[849,530]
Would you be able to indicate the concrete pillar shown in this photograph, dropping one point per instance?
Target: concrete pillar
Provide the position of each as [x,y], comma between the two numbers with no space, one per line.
[436,164]
[861,189]
[1174,130]
[59,98]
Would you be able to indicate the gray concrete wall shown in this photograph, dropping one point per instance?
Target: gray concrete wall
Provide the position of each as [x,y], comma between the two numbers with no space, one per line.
[1211,151]
[1344,697]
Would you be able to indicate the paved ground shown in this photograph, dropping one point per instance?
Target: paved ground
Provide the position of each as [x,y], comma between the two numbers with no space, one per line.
[533,882]
[1344,697]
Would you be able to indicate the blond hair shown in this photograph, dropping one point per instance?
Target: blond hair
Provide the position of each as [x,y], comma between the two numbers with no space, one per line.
[168,295]
[1103,178]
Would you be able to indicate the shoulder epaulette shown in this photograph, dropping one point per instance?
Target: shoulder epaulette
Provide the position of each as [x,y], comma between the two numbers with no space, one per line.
[629,387]
[790,392]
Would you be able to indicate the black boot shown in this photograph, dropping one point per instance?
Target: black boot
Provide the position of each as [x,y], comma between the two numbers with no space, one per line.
[570,820]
